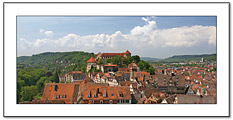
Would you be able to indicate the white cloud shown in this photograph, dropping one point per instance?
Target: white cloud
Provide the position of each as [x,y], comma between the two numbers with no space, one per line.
[145,19]
[140,37]
[185,36]
[41,30]
[41,42]
[23,44]
[48,33]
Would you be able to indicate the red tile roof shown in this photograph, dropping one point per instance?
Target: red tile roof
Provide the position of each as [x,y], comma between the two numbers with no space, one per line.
[112,54]
[142,73]
[110,65]
[76,71]
[123,69]
[98,92]
[91,60]
[127,52]
[63,91]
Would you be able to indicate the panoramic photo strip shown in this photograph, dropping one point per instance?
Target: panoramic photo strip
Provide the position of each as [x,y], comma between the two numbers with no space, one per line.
[116,60]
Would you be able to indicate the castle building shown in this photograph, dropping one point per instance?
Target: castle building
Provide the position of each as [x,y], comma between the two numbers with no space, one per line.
[105,56]
[92,62]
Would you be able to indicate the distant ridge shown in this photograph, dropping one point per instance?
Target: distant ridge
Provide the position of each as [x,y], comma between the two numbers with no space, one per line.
[188,58]
[149,59]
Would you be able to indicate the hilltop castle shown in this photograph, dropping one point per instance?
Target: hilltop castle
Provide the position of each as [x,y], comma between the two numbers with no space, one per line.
[92,62]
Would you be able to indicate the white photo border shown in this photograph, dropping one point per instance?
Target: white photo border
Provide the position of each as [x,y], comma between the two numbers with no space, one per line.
[221,10]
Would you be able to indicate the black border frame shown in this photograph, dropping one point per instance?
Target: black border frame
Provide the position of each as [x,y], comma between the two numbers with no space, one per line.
[229,31]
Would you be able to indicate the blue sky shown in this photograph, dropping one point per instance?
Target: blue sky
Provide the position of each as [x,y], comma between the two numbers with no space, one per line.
[147,36]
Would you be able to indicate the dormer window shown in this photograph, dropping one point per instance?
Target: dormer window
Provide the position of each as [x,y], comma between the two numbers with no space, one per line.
[101,94]
[121,95]
[105,95]
[112,94]
[95,96]
[88,96]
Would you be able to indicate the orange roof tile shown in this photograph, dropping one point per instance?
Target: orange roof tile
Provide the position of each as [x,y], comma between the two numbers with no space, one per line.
[98,92]
[112,54]
[91,60]
[110,65]
[127,52]
[62,91]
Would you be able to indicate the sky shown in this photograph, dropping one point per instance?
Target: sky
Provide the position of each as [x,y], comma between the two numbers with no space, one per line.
[146,36]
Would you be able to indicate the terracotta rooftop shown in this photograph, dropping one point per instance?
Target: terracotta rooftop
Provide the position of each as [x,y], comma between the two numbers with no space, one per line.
[59,91]
[195,99]
[112,54]
[127,52]
[99,92]
[91,60]
[110,65]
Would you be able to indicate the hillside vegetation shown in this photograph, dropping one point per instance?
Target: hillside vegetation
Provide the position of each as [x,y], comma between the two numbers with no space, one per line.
[56,60]
[190,58]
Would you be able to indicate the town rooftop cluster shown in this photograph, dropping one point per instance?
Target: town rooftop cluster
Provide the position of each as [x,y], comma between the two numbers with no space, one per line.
[113,84]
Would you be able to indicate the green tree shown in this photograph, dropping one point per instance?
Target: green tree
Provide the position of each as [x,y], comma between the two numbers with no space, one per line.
[151,70]
[100,62]
[109,60]
[40,84]
[141,64]
[55,77]
[117,60]
[28,92]
[93,69]
[126,60]
[136,58]
[20,84]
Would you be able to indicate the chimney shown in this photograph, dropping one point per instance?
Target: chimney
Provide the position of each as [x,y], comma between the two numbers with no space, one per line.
[54,87]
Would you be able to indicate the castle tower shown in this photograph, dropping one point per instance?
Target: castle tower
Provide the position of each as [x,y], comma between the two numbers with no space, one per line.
[127,53]
[91,63]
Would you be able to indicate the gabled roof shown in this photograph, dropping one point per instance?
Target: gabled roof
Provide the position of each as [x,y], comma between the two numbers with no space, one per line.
[195,99]
[127,52]
[100,92]
[91,60]
[112,54]
[59,91]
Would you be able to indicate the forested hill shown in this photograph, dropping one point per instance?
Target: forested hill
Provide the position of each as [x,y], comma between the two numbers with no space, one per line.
[149,59]
[53,59]
[188,58]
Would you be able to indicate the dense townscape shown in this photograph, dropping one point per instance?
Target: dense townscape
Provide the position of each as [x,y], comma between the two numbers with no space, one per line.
[119,78]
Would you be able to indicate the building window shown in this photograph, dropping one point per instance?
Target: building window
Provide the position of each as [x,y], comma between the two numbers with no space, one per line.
[112,94]
[88,96]
[100,94]
[110,102]
[90,101]
[121,95]
[94,95]
[101,102]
